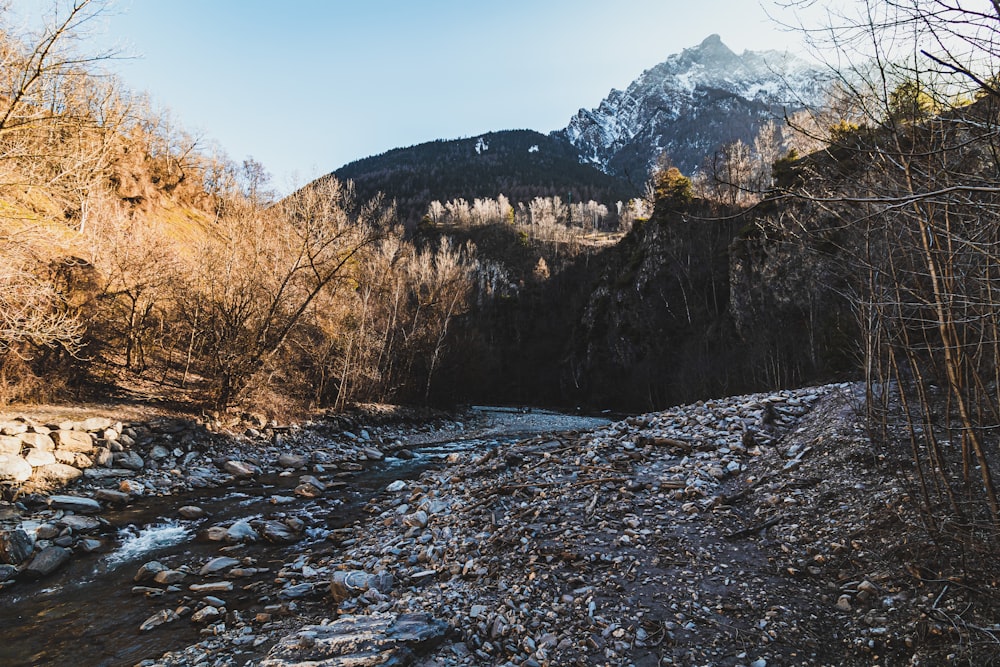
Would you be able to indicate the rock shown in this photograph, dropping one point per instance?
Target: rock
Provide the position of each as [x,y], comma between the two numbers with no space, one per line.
[10,445]
[103,457]
[80,524]
[75,504]
[345,584]
[47,561]
[276,531]
[297,591]
[191,512]
[288,460]
[14,468]
[148,571]
[239,468]
[418,519]
[241,531]
[159,452]
[206,615]
[13,428]
[57,473]
[15,546]
[112,496]
[398,485]
[38,441]
[217,564]
[372,453]
[7,572]
[94,424]
[168,577]
[39,457]
[844,603]
[376,639]
[212,587]
[73,441]
[129,460]
[90,545]
[307,490]
[158,619]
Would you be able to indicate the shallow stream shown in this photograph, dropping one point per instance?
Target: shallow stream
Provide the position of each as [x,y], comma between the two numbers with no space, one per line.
[87,614]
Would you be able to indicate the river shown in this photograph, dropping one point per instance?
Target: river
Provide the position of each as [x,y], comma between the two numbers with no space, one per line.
[87,613]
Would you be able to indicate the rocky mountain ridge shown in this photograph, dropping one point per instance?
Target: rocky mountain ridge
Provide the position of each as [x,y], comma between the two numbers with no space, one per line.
[689,105]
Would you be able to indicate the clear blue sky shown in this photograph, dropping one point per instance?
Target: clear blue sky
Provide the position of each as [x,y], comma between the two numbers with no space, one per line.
[305,86]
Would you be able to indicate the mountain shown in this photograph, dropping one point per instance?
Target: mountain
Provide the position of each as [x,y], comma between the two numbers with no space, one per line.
[690,105]
[520,164]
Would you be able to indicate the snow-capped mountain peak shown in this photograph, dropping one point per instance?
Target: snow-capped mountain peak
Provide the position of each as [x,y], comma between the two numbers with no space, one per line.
[689,105]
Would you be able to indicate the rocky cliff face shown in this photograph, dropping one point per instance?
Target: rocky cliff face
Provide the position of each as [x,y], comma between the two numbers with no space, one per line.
[689,105]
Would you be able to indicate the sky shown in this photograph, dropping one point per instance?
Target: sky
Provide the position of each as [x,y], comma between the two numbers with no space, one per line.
[306,86]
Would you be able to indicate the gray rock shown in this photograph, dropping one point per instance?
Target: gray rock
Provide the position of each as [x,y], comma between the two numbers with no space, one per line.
[73,441]
[289,460]
[241,531]
[7,572]
[217,565]
[47,561]
[15,546]
[206,615]
[276,531]
[346,584]
[372,453]
[14,468]
[191,512]
[297,591]
[129,460]
[80,524]
[75,504]
[112,496]
[148,571]
[103,457]
[168,577]
[376,639]
[239,468]
[158,619]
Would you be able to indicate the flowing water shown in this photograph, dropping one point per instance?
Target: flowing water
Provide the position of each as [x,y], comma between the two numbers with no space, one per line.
[86,614]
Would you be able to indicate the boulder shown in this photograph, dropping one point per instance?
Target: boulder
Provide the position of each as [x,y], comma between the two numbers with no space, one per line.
[56,473]
[289,460]
[78,504]
[39,457]
[38,441]
[47,561]
[94,424]
[149,571]
[241,531]
[73,441]
[276,531]
[238,468]
[14,468]
[10,444]
[15,546]
[217,564]
[128,460]
[346,584]
[375,639]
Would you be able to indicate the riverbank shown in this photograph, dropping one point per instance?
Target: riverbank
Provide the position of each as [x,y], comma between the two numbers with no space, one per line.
[755,530]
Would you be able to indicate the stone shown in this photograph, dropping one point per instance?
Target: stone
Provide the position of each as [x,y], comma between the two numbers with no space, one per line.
[94,424]
[149,570]
[15,546]
[130,460]
[238,468]
[13,427]
[278,532]
[37,441]
[79,523]
[159,452]
[206,615]
[7,572]
[376,639]
[372,453]
[217,564]
[39,457]
[191,512]
[345,584]
[418,519]
[103,457]
[168,577]
[112,496]
[73,441]
[90,545]
[10,445]
[241,531]
[844,603]
[75,504]
[158,619]
[57,473]
[289,460]
[398,485]
[212,587]
[297,591]
[47,561]
[14,468]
